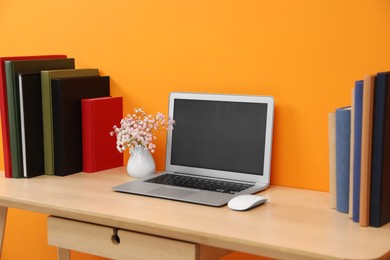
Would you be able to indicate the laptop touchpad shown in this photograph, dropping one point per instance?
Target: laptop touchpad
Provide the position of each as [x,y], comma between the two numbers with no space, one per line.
[172,192]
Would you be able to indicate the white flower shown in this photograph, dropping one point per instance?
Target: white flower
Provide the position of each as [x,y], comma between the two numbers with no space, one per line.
[139,129]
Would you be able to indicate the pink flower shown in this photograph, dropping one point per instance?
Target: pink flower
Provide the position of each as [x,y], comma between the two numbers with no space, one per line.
[139,129]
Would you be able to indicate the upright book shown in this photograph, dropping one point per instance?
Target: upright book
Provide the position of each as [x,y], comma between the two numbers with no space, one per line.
[343,134]
[66,104]
[332,158]
[380,167]
[4,107]
[46,77]
[31,124]
[99,115]
[12,68]
[357,149]
[365,170]
[352,145]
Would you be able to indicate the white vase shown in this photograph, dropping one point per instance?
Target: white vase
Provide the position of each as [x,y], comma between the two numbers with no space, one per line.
[141,163]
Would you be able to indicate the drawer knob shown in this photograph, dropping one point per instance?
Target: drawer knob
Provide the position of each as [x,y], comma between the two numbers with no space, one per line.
[115,238]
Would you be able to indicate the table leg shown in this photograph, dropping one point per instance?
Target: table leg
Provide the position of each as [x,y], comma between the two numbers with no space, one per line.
[3,218]
[63,254]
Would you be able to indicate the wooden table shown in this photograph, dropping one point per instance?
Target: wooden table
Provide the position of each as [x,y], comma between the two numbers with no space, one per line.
[86,215]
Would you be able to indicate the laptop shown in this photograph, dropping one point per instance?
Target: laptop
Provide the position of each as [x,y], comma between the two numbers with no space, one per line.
[220,148]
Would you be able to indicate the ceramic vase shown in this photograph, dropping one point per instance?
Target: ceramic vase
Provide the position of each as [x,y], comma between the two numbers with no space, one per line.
[141,163]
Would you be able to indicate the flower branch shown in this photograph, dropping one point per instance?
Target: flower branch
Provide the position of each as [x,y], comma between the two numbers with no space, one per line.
[140,129]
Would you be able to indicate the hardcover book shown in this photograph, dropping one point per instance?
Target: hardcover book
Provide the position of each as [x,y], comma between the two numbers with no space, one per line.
[350,204]
[365,170]
[12,68]
[343,134]
[380,167]
[66,104]
[332,158]
[357,151]
[46,77]
[31,124]
[4,107]
[99,115]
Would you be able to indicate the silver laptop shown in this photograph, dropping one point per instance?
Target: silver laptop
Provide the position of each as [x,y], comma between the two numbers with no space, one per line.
[219,148]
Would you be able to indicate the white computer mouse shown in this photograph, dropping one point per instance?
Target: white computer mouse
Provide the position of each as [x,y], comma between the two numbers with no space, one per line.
[245,202]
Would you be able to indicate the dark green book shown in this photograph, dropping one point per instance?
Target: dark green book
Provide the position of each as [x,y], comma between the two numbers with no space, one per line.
[46,77]
[12,69]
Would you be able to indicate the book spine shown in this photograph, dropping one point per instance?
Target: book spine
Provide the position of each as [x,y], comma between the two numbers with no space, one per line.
[332,158]
[57,127]
[365,175]
[47,116]
[22,127]
[358,101]
[4,122]
[343,131]
[87,134]
[13,121]
[378,140]
[377,148]
[352,144]
[385,184]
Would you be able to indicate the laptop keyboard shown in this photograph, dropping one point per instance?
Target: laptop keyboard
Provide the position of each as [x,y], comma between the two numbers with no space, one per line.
[200,183]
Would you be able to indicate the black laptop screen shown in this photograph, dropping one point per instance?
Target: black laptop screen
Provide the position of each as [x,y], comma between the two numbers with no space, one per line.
[219,135]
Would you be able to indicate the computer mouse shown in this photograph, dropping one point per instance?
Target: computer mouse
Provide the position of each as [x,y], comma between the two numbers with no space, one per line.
[245,202]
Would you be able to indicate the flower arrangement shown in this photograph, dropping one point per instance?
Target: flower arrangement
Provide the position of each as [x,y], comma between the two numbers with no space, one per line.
[139,129]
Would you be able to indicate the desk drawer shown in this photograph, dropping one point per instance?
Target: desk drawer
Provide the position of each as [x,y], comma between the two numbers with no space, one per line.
[113,243]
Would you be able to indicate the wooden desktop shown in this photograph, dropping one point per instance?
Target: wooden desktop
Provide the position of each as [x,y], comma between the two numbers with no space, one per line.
[87,216]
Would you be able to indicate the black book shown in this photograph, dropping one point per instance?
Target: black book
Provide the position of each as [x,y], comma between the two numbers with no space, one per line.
[66,105]
[380,171]
[31,124]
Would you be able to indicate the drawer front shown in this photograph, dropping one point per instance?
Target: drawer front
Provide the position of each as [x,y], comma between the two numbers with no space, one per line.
[113,243]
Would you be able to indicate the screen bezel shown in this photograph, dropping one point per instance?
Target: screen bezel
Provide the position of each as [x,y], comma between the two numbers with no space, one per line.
[263,179]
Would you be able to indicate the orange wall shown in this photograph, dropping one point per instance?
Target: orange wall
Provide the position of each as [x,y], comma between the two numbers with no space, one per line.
[307,54]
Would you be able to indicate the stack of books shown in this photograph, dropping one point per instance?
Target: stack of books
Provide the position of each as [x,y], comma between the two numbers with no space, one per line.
[41,110]
[359,153]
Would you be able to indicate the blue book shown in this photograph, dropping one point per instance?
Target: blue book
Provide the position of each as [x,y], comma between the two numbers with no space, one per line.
[379,182]
[343,142]
[357,152]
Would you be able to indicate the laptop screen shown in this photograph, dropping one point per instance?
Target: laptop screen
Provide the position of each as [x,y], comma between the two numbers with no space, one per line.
[220,135]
